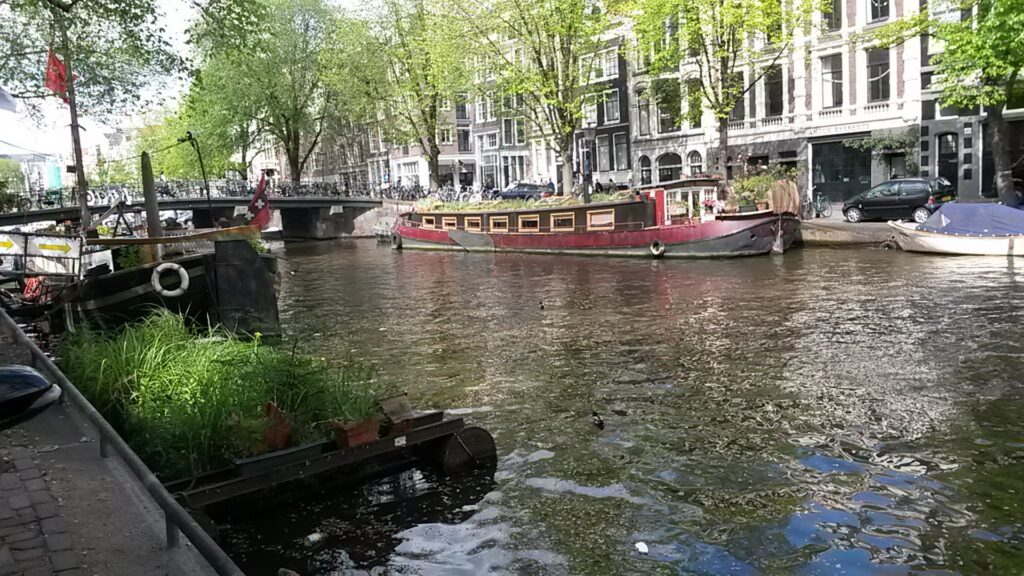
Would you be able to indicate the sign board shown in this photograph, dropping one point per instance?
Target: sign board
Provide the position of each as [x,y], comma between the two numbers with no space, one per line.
[52,254]
[11,246]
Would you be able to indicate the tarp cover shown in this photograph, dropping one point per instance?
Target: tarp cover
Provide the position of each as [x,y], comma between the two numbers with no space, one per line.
[976,220]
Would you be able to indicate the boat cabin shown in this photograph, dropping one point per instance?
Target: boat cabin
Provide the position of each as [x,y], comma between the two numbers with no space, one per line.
[632,214]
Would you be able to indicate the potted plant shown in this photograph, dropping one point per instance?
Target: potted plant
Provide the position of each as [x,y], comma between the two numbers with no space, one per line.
[358,420]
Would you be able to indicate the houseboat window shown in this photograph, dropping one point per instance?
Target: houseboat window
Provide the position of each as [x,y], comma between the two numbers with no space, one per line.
[428,221]
[498,223]
[601,220]
[473,224]
[529,223]
[563,222]
[449,223]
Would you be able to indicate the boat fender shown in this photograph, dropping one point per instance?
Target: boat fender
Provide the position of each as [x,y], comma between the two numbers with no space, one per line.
[159,289]
[396,241]
[657,249]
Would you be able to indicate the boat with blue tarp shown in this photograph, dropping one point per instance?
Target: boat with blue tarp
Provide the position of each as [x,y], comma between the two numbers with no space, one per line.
[979,229]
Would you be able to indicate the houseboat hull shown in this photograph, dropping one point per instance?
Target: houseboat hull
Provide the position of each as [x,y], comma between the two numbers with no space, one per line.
[748,235]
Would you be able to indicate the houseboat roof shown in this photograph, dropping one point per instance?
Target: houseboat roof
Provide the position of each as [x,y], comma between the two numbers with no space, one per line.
[538,207]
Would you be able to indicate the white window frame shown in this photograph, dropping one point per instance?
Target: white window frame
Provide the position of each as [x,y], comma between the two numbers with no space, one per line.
[604,166]
[487,139]
[590,114]
[492,113]
[828,81]
[444,135]
[617,138]
[618,106]
[504,133]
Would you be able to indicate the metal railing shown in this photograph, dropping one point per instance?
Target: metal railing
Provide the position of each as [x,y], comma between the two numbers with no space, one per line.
[176,519]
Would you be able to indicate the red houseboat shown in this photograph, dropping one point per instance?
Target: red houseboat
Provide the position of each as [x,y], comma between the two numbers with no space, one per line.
[648,224]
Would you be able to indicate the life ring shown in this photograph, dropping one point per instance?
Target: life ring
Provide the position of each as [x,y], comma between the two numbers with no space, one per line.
[159,289]
[396,241]
[657,249]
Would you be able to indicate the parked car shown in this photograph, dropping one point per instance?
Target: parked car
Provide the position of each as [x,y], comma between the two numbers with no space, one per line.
[908,198]
[524,191]
[23,394]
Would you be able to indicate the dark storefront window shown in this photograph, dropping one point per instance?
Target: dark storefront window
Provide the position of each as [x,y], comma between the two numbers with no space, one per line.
[645,170]
[840,172]
[773,91]
[670,167]
[1016,146]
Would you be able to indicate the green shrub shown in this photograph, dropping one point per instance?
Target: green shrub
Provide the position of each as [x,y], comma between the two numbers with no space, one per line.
[188,403]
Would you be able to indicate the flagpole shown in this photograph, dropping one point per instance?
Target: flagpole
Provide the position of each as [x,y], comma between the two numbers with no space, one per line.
[76,140]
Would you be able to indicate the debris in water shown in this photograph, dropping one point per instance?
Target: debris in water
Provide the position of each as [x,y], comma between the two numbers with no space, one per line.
[641,547]
[313,539]
[596,419]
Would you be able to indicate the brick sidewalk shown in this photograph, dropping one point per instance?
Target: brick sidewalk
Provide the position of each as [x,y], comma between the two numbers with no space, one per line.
[34,534]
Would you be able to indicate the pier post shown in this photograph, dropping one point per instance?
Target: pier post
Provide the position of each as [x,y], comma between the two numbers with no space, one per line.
[154,228]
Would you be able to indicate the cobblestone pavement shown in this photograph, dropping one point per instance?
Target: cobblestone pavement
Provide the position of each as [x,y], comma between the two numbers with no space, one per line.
[33,532]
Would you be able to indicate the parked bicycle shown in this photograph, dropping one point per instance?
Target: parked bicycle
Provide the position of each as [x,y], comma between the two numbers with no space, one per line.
[818,206]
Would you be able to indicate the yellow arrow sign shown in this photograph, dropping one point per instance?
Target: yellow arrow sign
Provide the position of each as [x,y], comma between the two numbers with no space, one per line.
[56,247]
[7,244]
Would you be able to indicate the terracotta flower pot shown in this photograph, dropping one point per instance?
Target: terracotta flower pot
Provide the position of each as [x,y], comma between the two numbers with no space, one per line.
[762,205]
[350,435]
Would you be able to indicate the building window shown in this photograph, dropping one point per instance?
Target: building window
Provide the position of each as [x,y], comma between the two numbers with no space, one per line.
[481,110]
[508,131]
[621,151]
[521,130]
[773,91]
[879,10]
[696,162]
[645,170]
[498,223]
[601,220]
[462,108]
[449,223]
[563,222]
[513,169]
[694,110]
[428,221]
[473,224]
[604,152]
[832,81]
[529,223]
[670,167]
[445,136]
[611,107]
[464,141]
[833,19]
[446,104]
[643,105]
[611,63]
[665,122]
[878,75]
[738,108]
[491,141]
[489,170]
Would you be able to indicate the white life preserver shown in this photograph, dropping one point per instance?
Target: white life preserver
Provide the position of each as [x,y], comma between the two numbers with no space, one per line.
[159,289]
[657,249]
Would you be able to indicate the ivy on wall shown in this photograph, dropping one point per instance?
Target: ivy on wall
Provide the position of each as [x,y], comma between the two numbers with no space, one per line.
[895,142]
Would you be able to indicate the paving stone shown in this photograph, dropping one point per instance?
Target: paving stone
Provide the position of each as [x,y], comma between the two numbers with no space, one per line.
[53,525]
[35,484]
[18,452]
[12,522]
[28,554]
[19,501]
[64,560]
[47,510]
[27,515]
[40,497]
[6,558]
[24,464]
[58,542]
[20,536]
[41,571]
[29,474]
[36,542]
[9,481]
[5,511]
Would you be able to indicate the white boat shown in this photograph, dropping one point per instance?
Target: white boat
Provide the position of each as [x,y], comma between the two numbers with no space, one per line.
[966,229]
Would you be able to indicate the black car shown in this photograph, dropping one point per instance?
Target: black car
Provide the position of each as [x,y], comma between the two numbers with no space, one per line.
[524,191]
[908,198]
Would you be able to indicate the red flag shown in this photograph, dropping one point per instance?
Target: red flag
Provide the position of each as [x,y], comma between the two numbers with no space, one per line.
[258,213]
[57,76]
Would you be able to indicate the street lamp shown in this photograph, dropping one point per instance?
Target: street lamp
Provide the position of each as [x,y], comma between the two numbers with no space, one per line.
[589,134]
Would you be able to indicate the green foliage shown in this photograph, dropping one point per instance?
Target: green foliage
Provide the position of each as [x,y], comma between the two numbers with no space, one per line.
[669,96]
[258,245]
[538,51]
[116,48]
[187,402]
[901,142]
[12,179]
[757,187]
[116,172]
[128,257]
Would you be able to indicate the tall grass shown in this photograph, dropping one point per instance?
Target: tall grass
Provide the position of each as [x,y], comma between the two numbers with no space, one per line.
[188,402]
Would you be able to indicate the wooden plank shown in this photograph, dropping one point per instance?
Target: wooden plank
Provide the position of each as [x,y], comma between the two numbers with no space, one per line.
[205,496]
[223,234]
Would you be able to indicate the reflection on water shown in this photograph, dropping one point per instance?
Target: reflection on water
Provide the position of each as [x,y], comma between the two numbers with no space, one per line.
[822,412]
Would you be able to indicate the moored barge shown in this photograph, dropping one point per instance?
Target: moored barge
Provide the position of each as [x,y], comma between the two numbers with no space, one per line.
[646,225]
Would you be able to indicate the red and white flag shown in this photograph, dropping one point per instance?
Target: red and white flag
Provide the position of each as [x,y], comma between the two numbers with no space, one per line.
[258,213]
[57,76]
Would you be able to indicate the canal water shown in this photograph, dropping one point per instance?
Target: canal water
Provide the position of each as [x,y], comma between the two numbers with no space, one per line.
[823,412]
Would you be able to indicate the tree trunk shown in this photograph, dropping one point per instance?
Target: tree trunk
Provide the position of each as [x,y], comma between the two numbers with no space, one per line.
[433,164]
[723,148]
[1001,156]
[565,150]
[76,141]
[293,152]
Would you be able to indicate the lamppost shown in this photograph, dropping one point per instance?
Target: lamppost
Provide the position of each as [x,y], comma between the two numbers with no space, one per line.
[202,169]
[589,134]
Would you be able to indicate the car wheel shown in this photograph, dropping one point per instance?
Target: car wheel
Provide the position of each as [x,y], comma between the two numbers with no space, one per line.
[921,214]
[854,215]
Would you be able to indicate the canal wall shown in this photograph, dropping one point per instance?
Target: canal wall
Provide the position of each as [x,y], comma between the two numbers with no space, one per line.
[65,509]
[337,222]
[840,233]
